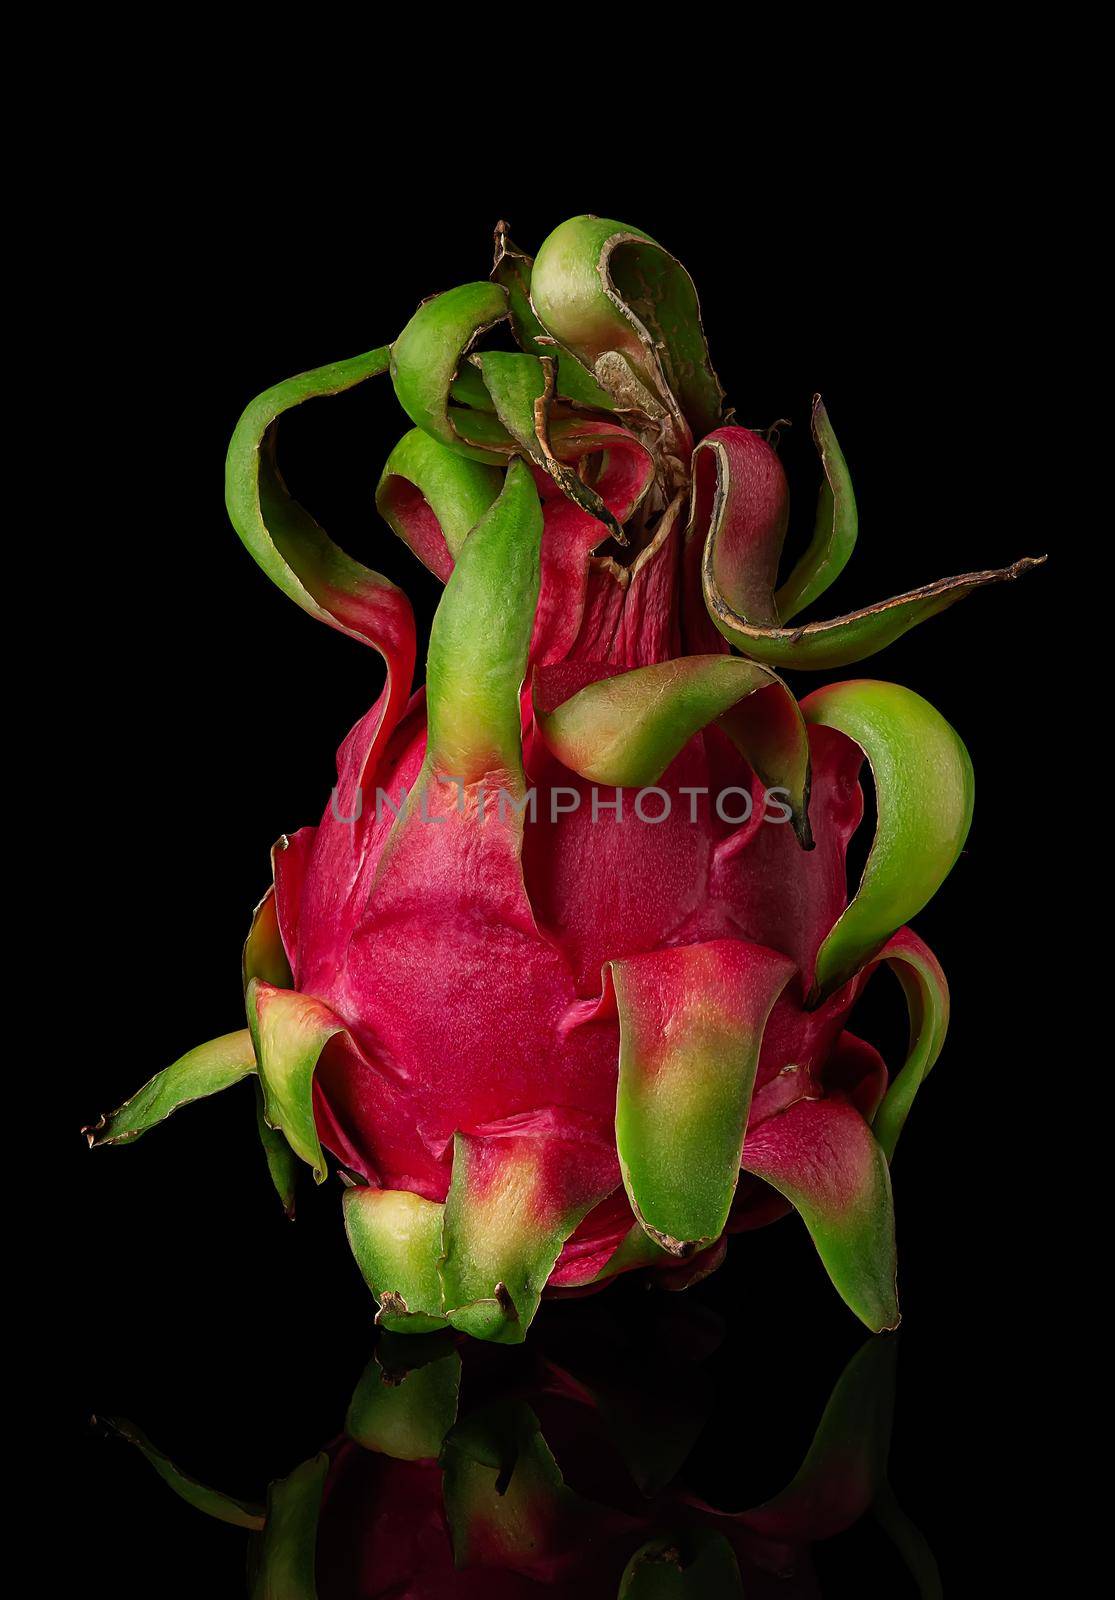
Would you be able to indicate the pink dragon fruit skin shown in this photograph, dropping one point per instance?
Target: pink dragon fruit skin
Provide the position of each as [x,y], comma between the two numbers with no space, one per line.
[542,1025]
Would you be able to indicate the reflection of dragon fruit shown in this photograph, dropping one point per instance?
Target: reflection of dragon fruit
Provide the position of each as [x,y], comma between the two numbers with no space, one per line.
[555,965]
[566,1470]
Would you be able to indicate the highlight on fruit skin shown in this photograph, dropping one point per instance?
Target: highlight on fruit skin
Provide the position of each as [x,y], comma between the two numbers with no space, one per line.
[563,980]
[569,1466]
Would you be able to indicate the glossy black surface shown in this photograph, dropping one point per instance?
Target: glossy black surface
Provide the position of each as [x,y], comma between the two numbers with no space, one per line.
[673,1430]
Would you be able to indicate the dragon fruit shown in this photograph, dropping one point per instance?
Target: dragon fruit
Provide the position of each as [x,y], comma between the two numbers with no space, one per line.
[570,1469]
[563,977]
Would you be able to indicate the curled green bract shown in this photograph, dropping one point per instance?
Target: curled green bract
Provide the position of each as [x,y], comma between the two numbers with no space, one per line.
[629,311]
[203,1071]
[924,789]
[512,271]
[835,528]
[927,1002]
[740,510]
[288,544]
[426,359]
[626,729]
[432,497]
[479,641]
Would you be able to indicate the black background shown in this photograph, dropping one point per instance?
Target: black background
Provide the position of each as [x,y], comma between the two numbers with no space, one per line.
[212,708]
